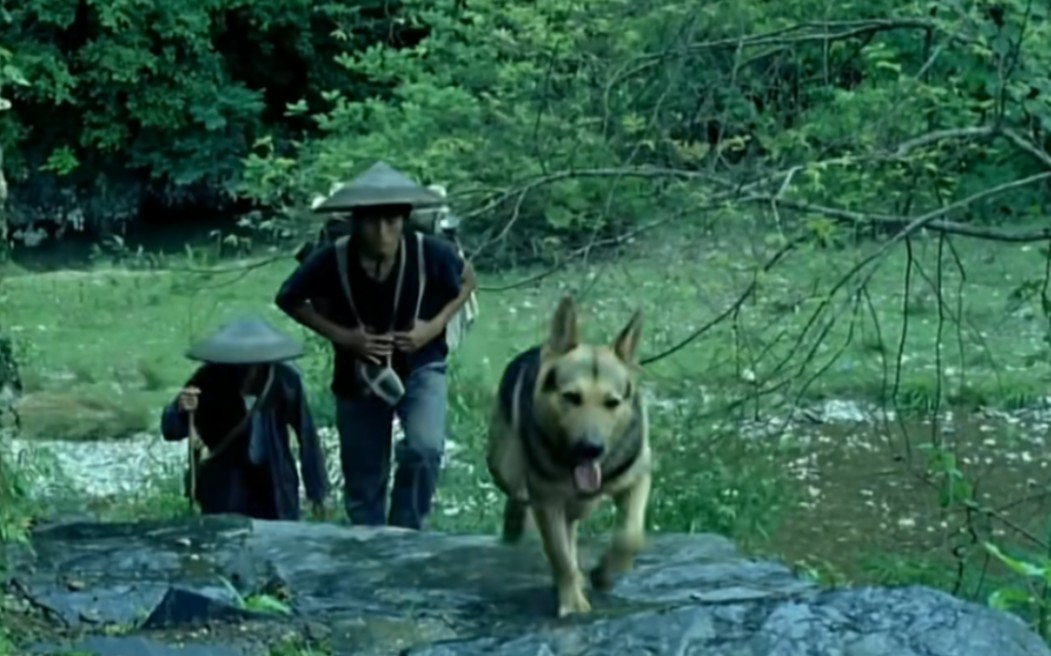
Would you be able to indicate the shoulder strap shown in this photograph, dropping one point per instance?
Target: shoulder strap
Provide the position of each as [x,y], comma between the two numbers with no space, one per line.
[423,274]
[398,284]
[340,246]
[230,436]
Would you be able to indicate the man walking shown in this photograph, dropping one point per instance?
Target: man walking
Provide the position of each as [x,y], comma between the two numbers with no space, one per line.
[384,297]
[241,402]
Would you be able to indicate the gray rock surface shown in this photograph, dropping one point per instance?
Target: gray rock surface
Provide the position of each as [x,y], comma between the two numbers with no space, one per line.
[385,591]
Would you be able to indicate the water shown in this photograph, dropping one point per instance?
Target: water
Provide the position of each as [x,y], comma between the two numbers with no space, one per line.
[167,237]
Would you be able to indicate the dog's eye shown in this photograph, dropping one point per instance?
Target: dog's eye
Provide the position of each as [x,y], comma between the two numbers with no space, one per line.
[572,398]
[612,403]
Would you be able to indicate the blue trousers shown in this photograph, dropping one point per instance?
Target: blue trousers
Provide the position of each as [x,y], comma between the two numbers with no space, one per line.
[364,426]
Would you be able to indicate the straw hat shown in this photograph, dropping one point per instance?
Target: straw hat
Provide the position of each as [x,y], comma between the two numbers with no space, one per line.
[246,341]
[381,184]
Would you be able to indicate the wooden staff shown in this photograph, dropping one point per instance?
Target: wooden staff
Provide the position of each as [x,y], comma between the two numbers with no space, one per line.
[191,453]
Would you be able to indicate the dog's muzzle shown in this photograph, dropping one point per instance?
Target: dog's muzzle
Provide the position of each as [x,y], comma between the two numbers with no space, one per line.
[587,474]
[587,449]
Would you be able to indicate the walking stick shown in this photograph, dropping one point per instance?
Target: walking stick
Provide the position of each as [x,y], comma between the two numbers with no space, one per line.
[191,456]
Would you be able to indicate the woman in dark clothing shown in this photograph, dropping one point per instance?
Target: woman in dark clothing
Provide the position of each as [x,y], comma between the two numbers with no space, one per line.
[241,401]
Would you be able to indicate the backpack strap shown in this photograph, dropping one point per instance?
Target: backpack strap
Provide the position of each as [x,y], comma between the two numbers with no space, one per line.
[344,271]
[398,285]
[423,274]
[228,439]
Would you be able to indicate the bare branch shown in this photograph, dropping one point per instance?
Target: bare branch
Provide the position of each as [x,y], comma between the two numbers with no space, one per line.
[829,32]
[784,177]
[1028,146]
[598,243]
[770,264]
[942,226]
[978,132]
[925,220]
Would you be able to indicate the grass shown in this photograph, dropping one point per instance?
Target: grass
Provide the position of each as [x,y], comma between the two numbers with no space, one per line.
[102,352]
[117,336]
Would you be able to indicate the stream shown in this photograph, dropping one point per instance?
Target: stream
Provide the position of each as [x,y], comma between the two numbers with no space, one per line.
[130,466]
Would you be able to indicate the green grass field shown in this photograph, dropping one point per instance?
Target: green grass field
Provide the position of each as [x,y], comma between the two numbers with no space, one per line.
[101,340]
[101,352]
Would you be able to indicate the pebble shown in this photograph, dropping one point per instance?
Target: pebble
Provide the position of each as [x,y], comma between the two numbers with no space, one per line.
[129,467]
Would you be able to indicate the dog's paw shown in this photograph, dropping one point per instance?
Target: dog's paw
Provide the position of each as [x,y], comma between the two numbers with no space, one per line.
[614,563]
[629,542]
[571,601]
[601,578]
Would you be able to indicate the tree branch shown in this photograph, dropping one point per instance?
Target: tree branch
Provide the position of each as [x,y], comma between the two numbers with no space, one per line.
[782,37]
[784,176]
[942,226]
[681,344]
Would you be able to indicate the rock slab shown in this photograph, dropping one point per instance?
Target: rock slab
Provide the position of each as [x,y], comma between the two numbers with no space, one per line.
[385,592]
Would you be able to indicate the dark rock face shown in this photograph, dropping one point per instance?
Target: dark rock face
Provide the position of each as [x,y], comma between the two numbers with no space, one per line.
[385,591]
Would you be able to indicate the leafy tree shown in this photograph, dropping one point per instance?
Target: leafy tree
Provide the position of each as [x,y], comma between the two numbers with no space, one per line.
[159,102]
[610,114]
[557,123]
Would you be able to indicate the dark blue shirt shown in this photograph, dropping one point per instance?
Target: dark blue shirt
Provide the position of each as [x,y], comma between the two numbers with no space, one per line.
[318,279]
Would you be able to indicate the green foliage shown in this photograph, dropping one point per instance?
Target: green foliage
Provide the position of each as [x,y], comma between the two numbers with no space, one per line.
[596,110]
[14,506]
[502,97]
[257,602]
[16,509]
[722,483]
[165,98]
[1023,582]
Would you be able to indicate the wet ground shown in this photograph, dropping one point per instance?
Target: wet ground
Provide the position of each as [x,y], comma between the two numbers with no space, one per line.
[872,506]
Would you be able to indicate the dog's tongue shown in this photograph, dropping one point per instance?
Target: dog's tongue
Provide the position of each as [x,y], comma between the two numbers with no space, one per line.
[588,477]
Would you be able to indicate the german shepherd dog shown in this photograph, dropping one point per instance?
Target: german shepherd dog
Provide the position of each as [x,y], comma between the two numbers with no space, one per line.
[568,428]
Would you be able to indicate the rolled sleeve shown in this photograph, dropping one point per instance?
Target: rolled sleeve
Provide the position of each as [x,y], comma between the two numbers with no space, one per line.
[175,423]
[445,266]
[310,280]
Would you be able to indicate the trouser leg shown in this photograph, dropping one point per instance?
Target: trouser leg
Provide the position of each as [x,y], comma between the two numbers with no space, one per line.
[422,412]
[364,426]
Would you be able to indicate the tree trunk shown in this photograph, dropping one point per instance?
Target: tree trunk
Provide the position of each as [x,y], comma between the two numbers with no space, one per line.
[10,385]
[10,380]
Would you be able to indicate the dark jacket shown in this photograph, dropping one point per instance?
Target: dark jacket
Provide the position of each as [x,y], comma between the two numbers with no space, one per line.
[318,278]
[231,483]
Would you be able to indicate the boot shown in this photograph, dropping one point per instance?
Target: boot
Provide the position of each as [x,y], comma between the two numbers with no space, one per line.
[414,484]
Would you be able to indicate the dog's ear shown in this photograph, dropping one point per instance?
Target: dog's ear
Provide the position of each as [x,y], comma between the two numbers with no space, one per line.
[565,333]
[627,343]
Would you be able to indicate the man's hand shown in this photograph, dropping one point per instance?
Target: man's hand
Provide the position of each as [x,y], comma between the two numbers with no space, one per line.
[365,345]
[198,445]
[188,399]
[421,335]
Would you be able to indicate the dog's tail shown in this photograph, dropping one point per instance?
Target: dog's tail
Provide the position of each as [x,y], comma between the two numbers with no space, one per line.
[516,515]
